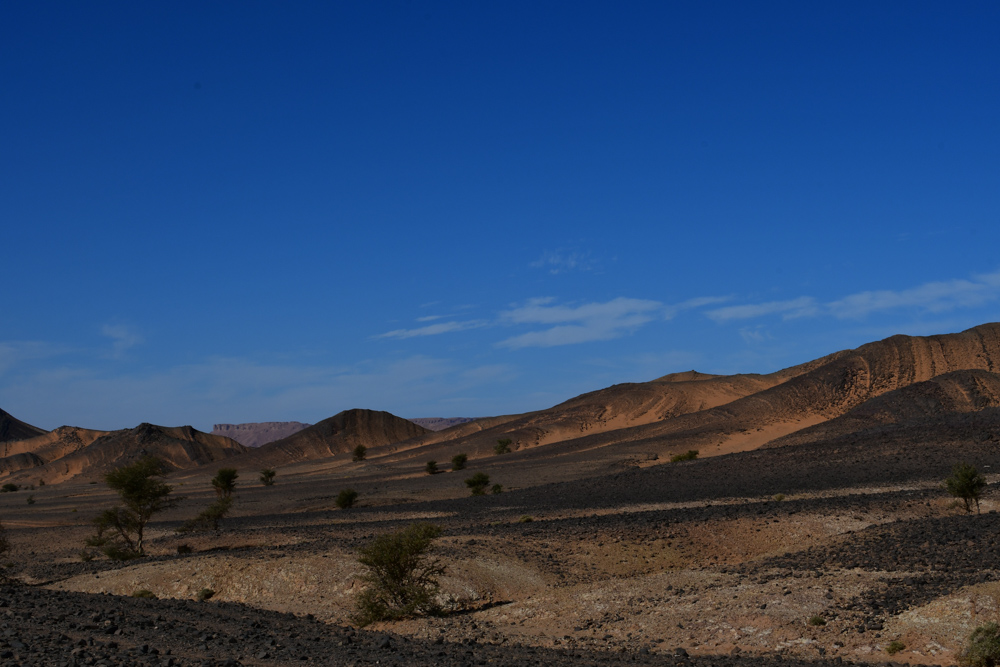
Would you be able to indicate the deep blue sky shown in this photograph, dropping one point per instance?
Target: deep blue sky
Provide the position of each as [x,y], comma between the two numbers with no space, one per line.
[274,211]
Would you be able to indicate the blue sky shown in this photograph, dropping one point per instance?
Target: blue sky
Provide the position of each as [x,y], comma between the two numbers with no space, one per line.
[255,211]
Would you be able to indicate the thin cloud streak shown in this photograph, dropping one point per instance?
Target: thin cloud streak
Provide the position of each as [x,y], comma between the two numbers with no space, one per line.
[579,324]
[434,329]
[932,297]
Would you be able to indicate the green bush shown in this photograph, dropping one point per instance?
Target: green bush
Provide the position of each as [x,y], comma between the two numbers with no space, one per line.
[9,487]
[478,483]
[689,455]
[817,620]
[458,461]
[525,519]
[210,517]
[359,453]
[346,498]
[432,468]
[145,594]
[894,647]
[267,476]
[779,497]
[224,482]
[205,594]
[503,446]
[401,580]
[120,530]
[967,484]
[983,649]
[497,488]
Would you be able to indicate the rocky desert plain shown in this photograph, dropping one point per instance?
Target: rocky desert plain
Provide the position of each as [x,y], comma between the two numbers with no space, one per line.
[811,528]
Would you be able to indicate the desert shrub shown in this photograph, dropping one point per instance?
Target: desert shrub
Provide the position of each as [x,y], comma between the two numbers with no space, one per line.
[894,647]
[145,594]
[478,483]
[983,649]
[41,482]
[9,487]
[224,482]
[86,556]
[267,476]
[359,453]
[205,594]
[184,549]
[525,519]
[497,488]
[210,517]
[31,500]
[817,620]
[346,499]
[401,579]
[779,497]
[503,446]
[120,529]
[966,484]
[689,455]
[432,468]
[458,461]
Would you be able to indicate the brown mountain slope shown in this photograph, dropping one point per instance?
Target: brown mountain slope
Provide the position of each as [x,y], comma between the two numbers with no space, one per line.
[938,400]
[609,410]
[336,435]
[258,433]
[52,445]
[179,447]
[718,415]
[12,429]
[842,382]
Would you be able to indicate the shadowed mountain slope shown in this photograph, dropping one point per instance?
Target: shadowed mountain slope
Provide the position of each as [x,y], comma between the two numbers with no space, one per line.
[69,454]
[441,423]
[12,429]
[258,433]
[723,414]
[337,435]
[934,402]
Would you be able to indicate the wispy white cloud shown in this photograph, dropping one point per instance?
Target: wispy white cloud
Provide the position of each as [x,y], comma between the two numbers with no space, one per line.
[801,307]
[14,353]
[932,297]
[691,304]
[124,337]
[578,324]
[563,261]
[434,329]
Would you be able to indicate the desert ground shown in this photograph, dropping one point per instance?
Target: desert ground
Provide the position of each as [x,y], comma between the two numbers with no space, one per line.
[818,536]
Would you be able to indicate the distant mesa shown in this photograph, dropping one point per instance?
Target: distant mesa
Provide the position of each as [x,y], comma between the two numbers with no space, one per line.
[441,423]
[337,435]
[258,433]
[70,452]
[12,429]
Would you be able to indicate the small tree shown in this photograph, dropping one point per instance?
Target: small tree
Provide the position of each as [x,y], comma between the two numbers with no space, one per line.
[9,487]
[401,579]
[210,517]
[345,499]
[225,482]
[503,446]
[143,495]
[983,649]
[966,483]
[359,453]
[458,461]
[497,488]
[432,468]
[267,476]
[478,483]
